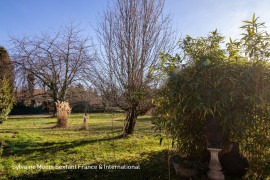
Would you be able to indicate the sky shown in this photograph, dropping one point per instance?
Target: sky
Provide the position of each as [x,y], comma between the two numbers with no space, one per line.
[192,17]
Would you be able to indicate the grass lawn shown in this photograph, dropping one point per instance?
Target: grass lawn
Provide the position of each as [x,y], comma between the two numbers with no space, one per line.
[74,153]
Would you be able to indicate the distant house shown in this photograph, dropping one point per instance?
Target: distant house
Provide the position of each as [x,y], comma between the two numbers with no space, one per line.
[43,100]
[39,96]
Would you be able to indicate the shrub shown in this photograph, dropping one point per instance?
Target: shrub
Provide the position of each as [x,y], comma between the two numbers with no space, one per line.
[62,114]
[6,99]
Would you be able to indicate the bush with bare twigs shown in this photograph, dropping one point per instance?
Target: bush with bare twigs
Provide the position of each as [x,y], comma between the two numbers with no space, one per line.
[63,112]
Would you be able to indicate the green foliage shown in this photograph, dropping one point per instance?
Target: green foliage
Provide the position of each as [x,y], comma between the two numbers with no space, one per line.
[231,85]
[6,99]
[1,150]
[6,84]
[6,67]
[255,40]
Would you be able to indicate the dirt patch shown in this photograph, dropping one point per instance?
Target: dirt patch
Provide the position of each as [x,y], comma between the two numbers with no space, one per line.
[8,134]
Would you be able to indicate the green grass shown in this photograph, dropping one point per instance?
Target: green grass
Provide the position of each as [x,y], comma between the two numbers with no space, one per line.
[36,143]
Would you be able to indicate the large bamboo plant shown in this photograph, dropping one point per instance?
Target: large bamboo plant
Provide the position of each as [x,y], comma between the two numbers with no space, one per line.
[230,84]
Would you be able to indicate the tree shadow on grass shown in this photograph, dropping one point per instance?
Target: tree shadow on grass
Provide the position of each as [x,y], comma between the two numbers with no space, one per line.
[155,166]
[24,117]
[26,148]
[49,123]
[142,119]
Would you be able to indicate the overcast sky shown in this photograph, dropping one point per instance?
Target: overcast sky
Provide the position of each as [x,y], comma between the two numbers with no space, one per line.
[193,17]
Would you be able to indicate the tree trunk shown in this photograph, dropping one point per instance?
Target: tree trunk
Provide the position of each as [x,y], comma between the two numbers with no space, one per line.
[63,92]
[54,109]
[54,96]
[130,121]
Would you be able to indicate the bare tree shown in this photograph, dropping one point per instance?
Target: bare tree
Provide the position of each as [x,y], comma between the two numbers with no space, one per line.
[55,60]
[132,33]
